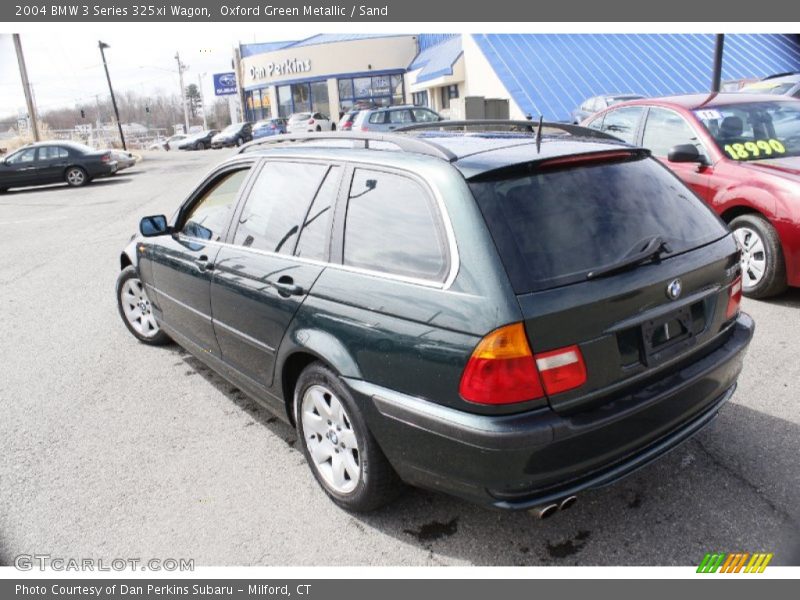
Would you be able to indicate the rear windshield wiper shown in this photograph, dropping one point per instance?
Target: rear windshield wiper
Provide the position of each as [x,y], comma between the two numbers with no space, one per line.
[650,249]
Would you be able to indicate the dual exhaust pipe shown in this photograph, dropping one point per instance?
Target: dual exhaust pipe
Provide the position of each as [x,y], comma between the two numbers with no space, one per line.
[548,510]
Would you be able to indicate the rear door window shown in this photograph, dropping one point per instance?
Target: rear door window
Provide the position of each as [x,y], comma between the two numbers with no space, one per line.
[377,118]
[623,123]
[393,226]
[277,205]
[316,225]
[554,227]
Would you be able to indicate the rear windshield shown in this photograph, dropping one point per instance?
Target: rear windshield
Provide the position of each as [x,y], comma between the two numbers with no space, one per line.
[554,227]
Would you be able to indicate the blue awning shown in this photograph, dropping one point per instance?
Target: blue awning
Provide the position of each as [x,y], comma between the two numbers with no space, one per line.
[438,60]
[551,74]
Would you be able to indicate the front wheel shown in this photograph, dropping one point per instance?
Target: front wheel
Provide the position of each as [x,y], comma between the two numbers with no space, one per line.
[763,267]
[200,146]
[136,311]
[239,142]
[76,177]
[344,457]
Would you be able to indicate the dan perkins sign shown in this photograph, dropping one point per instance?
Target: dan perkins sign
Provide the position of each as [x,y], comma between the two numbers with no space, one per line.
[290,66]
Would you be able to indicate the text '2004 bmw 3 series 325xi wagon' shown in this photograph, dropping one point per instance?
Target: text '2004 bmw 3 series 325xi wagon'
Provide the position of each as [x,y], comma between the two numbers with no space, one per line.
[510,315]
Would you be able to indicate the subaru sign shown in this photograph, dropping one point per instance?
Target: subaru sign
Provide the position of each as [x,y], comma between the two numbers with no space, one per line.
[225,84]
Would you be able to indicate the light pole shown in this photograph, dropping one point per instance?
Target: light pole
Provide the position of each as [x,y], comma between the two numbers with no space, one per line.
[27,88]
[181,68]
[103,46]
[202,100]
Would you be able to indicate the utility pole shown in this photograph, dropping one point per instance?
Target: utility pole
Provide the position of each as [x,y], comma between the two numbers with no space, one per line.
[181,68]
[202,100]
[102,47]
[716,77]
[26,87]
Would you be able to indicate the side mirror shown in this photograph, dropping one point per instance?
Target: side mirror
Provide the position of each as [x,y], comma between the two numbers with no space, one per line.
[685,153]
[153,226]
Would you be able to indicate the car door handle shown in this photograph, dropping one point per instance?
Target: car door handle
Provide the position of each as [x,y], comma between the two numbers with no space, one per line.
[203,264]
[286,287]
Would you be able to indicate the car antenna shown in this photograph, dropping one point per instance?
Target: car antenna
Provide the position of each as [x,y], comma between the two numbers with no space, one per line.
[539,134]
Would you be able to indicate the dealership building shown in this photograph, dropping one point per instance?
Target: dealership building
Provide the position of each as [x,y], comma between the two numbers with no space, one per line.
[528,74]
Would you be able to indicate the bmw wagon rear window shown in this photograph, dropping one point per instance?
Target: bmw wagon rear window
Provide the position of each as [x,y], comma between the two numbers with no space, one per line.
[556,226]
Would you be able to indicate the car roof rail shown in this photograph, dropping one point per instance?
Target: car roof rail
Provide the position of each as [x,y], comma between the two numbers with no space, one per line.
[403,142]
[776,75]
[506,125]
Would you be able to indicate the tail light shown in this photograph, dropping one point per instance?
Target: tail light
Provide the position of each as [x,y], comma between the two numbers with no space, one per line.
[504,370]
[364,128]
[311,121]
[105,158]
[734,298]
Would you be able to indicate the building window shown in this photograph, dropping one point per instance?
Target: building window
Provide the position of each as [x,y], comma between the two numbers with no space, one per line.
[303,97]
[420,98]
[448,93]
[367,92]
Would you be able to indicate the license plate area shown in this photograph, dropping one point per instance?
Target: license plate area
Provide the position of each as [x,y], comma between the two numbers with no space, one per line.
[668,335]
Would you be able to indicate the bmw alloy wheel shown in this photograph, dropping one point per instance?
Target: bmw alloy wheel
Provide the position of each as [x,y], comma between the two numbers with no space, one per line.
[331,439]
[136,308]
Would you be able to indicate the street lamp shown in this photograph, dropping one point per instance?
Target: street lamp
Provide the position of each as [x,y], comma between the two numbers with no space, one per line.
[103,46]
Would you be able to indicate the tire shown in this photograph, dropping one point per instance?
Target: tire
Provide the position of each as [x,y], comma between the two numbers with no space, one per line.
[76,176]
[333,432]
[763,266]
[146,330]
[239,142]
[199,146]
[3,190]
[333,126]
[319,128]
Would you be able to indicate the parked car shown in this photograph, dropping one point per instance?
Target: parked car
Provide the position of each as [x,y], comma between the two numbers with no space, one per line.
[269,127]
[54,162]
[305,121]
[198,141]
[347,120]
[170,143]
[394,117]
[233,135]
[123,158]
[506,318]
[734,85]
[782,84]
[741,154]
[595,104]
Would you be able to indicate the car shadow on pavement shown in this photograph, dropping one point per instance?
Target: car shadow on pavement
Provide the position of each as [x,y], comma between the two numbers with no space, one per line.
[790,299]
[106,181]
[735,487]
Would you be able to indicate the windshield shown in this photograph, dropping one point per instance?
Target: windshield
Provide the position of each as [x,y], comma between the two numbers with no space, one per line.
[232,128]
[555,227]
[754,130]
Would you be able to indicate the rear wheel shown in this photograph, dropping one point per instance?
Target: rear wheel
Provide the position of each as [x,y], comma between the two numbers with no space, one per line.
[136,311]
[76,177]
[344,457]
[763,267]
[239,141]
[199,146]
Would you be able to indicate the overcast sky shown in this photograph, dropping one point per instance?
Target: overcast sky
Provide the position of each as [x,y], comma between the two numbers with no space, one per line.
[65,67]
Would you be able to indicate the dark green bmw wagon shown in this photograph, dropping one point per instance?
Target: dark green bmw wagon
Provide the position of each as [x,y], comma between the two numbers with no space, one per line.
[507,316]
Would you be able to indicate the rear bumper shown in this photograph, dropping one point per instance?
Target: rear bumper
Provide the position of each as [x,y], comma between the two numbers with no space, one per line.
[528,459]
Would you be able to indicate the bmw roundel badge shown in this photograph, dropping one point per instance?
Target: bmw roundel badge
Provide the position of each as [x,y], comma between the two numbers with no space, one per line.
[674,289]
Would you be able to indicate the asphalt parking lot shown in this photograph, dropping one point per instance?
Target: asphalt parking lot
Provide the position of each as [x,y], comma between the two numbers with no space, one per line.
[110,448]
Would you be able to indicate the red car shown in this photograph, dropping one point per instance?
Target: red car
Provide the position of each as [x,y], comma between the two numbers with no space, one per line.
[741,154]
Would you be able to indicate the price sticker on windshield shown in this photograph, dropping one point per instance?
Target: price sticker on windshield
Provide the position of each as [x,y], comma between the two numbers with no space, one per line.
[708,114]
[754,149]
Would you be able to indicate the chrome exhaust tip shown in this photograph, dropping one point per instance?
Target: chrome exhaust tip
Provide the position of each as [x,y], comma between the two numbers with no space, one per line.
[568,502]
[544,512]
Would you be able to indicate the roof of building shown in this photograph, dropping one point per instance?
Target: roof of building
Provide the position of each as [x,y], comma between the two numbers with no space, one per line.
[437,60]
[551,74]
[320,38]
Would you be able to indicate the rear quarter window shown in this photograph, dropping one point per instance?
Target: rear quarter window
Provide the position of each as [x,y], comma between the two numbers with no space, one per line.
[393,226]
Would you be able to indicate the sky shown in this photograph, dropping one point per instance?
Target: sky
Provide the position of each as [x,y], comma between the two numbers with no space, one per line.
[65,67]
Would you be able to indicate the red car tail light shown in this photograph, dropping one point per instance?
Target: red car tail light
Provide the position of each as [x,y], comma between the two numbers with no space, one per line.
[734,298]
[561,369]
[106,158]
[311,121]
[504,370]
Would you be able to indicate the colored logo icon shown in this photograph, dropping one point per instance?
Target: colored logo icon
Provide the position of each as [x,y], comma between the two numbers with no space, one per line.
[740,562]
